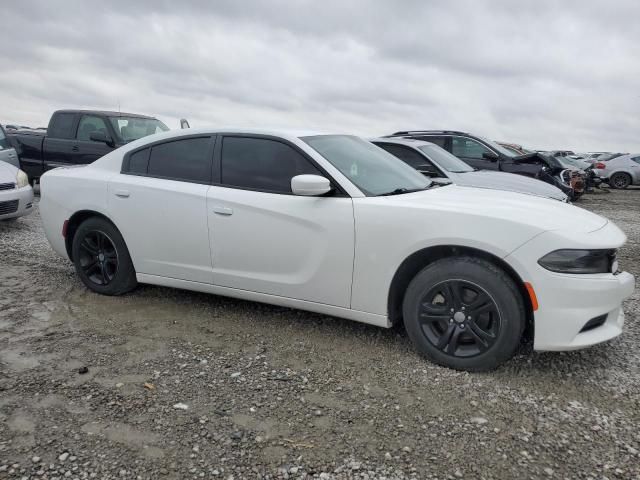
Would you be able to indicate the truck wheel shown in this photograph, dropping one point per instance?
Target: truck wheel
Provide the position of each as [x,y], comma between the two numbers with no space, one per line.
[620,180]
[464,313]
[102,259]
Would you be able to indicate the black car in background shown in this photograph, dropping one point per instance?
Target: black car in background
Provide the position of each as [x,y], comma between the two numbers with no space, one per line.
[79,137]
[485,154]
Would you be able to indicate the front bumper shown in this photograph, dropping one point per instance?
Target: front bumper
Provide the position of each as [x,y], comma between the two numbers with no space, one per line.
[567,303]
[8,198]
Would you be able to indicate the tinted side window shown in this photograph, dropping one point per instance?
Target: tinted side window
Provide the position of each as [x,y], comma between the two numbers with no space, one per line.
[407,155]
[139,161]
[636,159]
[261,164]
[188,159]
[440,141]
[467,148]
[89,124]
[62,126]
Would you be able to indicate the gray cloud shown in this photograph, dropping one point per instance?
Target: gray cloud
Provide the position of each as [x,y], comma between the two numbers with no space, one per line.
[545,74]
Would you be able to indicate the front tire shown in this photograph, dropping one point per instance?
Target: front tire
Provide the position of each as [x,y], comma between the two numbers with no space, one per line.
[464,313]
[620,180]
[101,258]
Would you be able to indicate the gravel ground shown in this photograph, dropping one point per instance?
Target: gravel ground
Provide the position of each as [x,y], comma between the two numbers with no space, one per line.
[185,385]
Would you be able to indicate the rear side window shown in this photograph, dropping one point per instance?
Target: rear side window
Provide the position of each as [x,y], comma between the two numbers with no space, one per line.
[262,164]
[139,161]
[62,126]
[636,159]
[407,155]
[188,160]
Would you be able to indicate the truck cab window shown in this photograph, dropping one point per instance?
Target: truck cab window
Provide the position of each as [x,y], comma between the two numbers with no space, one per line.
[61,126]
[89,124]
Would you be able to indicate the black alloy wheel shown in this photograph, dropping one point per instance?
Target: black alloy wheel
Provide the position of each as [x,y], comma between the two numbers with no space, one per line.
[459,318]
[464,313]
[101,257]
[98,257]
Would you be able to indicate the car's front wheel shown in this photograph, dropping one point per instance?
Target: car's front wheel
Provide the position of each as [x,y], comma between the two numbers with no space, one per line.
[620,180]
[102,259]
[464,313]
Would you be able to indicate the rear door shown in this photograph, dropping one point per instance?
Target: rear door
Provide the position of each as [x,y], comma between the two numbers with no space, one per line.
[58,144]
[265,239]
[159,203]
[84,150]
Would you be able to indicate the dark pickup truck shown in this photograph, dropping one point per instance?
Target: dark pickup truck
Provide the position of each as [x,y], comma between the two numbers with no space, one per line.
[78,137]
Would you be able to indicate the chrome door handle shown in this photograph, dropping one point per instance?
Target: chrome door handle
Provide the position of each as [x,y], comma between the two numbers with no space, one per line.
[122,193]
[223,210]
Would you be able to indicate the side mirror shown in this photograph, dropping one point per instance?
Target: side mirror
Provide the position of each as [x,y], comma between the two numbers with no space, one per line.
[310,185]
[184,123]
[490,156]
[99,136]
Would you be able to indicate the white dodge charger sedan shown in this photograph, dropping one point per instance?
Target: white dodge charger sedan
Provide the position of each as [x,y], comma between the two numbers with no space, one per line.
[336,225]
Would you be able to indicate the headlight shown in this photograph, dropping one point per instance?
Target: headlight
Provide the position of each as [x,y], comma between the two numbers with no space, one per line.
[580,261]
[22,180]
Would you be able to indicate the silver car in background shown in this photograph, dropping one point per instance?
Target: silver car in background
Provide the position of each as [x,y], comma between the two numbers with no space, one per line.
[621,171]
[443,168]
[7,152]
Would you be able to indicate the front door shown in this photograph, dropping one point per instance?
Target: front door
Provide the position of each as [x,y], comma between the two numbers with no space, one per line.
[85,150]
[265,239]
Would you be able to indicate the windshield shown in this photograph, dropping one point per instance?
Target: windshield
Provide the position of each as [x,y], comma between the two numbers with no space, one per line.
[133,128]
[499,148]
[371,169]
[445,160]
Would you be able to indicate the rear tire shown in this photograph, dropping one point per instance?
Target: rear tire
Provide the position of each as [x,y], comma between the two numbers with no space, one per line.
[620,180]
[101,258]
[464,313]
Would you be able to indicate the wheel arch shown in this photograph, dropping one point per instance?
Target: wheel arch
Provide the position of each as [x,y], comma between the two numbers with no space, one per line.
[75,221]
[415,262]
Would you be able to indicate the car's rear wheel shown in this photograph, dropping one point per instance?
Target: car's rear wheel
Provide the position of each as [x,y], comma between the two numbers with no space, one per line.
[620,180]
[464,313]
[102,259]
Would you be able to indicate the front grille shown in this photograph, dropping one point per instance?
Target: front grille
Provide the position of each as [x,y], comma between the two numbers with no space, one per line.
[7,186]
[8,207]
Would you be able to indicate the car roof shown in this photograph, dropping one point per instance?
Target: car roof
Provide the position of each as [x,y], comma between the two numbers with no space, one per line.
[410,142]
[108,113]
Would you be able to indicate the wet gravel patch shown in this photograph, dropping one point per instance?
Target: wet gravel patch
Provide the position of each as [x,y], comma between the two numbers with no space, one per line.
[186,385]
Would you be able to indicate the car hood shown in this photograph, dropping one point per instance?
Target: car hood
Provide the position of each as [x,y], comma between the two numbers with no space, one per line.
[509,182]
[7,172]
[540,213]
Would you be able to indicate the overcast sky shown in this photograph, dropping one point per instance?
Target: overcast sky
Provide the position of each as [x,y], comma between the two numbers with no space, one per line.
[546,74]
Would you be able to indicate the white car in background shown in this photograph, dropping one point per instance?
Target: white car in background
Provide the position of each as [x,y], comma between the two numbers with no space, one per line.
[334,224]
[621,171]
[16,195]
